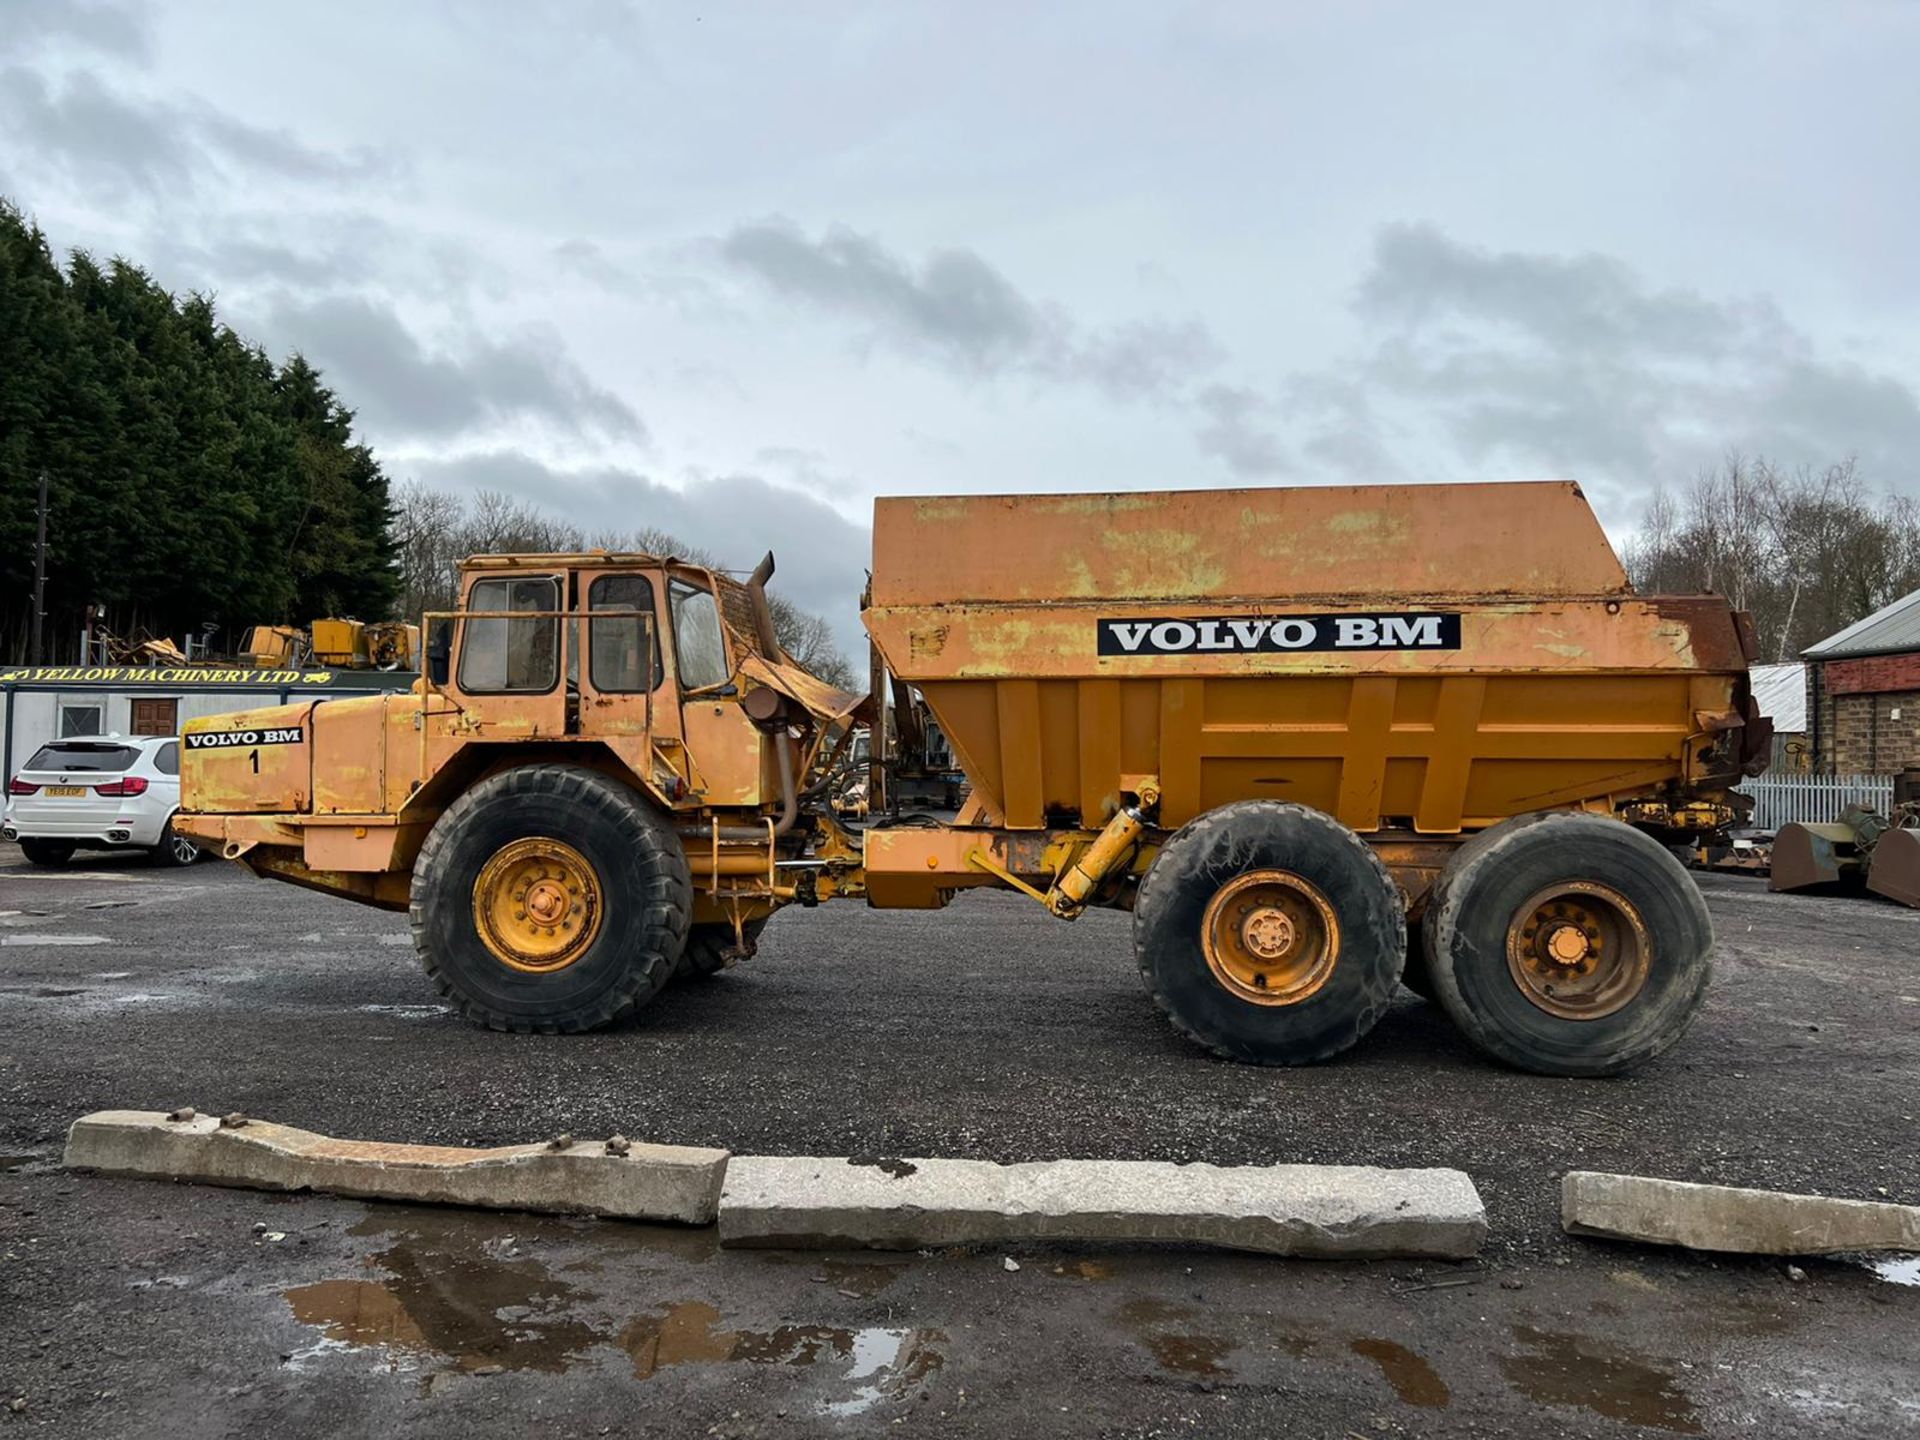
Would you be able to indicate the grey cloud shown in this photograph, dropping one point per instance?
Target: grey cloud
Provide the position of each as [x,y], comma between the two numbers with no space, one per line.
[1577,364]
[113,29]
[736,518]
[961,312]
[107,142]
[1237,429]
[403,389]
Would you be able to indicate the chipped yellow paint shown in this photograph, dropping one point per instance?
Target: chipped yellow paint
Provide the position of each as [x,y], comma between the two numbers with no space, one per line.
[940,509]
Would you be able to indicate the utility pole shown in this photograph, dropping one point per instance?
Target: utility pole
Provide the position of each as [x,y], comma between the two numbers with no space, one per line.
[40,578]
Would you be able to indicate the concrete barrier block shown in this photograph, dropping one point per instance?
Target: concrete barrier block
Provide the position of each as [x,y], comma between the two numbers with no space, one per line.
[646,1182]
[1722,1217]
[1308,1210]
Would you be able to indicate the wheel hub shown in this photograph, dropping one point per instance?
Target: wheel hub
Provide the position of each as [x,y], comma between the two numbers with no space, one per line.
[1270,937]
[537,904]
[1268,932]
[1579,950]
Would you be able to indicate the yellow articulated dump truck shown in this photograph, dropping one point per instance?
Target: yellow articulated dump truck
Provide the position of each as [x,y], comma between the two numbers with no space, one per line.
[1315,740]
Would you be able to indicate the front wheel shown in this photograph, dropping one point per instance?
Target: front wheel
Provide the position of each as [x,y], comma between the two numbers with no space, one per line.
[1270,933]
[1568,943]
[550,898]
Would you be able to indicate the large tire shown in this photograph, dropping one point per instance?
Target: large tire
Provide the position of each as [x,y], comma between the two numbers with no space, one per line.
[710,945]
[631,901]
[48,854]
[1231,931]
[1636,933]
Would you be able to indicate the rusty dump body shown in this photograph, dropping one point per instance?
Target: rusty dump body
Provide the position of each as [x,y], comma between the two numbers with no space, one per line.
[1417,661]
[1409,664]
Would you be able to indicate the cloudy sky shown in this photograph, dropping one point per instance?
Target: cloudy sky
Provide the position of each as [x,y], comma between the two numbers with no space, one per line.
[733,270]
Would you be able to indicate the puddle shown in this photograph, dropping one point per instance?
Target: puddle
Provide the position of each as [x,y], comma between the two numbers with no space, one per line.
[855,1277]
[1180,1352]
[1573,1370]
[1084,1270]
[1191,1354]
[54,940]
[456,1296]
[879,1361]
[1411,1377]
[464,1305]
[1899,1270]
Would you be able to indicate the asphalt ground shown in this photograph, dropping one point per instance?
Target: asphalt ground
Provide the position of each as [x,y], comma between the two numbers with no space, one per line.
[988,1031]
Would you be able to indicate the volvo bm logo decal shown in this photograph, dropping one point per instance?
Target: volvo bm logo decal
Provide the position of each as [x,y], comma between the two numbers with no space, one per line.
[1279,634]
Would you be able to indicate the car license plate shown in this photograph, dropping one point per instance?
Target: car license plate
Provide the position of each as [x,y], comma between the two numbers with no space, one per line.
[67,792]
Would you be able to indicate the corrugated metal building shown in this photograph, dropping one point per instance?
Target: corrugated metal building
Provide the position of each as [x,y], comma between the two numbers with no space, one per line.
[1781,693]
[1863,693]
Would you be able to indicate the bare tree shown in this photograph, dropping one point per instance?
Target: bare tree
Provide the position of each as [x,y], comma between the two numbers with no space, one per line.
[1805,552]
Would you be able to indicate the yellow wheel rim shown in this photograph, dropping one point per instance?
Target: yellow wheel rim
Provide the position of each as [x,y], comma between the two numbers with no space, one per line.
[537,905]
[1578,950]
[1270,937]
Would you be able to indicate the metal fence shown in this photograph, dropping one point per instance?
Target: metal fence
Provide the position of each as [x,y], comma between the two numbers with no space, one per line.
[1780,799]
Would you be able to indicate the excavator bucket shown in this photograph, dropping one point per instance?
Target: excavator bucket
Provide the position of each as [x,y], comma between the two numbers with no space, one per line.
[1808,855]
[1894,869]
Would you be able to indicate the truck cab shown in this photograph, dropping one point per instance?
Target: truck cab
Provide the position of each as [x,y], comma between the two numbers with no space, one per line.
[664,675]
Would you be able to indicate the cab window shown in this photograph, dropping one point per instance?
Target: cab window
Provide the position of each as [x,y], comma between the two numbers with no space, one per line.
[623,651]
[699,646]
[505,654]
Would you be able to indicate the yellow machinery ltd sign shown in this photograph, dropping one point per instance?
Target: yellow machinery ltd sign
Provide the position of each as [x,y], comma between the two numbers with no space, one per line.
[190,676]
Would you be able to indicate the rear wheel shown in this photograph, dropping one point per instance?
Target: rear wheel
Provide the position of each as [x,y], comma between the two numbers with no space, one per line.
[50,853]
[710,947]
[174,848]
[1568,943]
[550,898]
[1270,933]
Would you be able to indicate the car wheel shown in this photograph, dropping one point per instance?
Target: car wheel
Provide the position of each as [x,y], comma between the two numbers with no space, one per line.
[174,848]
[51,854]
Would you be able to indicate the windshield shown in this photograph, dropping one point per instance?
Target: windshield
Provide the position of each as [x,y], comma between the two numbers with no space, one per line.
[698,646]
[74,755]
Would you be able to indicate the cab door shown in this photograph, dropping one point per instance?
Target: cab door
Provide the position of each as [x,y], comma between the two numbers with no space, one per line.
[729,752]
[620,669]
[509,675]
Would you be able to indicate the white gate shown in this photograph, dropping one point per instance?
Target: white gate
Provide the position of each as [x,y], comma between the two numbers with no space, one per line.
[1812,799]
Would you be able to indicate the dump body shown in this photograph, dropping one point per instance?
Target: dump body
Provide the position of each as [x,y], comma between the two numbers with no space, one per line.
[1420,659]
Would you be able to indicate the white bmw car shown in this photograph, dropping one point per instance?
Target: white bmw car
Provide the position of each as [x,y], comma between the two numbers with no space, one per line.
[98,792]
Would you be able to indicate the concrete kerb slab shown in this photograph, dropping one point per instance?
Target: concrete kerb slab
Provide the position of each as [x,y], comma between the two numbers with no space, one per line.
[1729,1219]
[812,1202]
[641,1182]
[1322,1211]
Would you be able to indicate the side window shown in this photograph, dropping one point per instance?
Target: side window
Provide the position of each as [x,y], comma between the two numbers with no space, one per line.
[167,759]
[505,654]
[699,647]
[623,651]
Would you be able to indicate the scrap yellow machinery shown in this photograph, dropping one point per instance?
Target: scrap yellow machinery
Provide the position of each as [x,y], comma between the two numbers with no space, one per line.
[336,644]
[1316,740]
